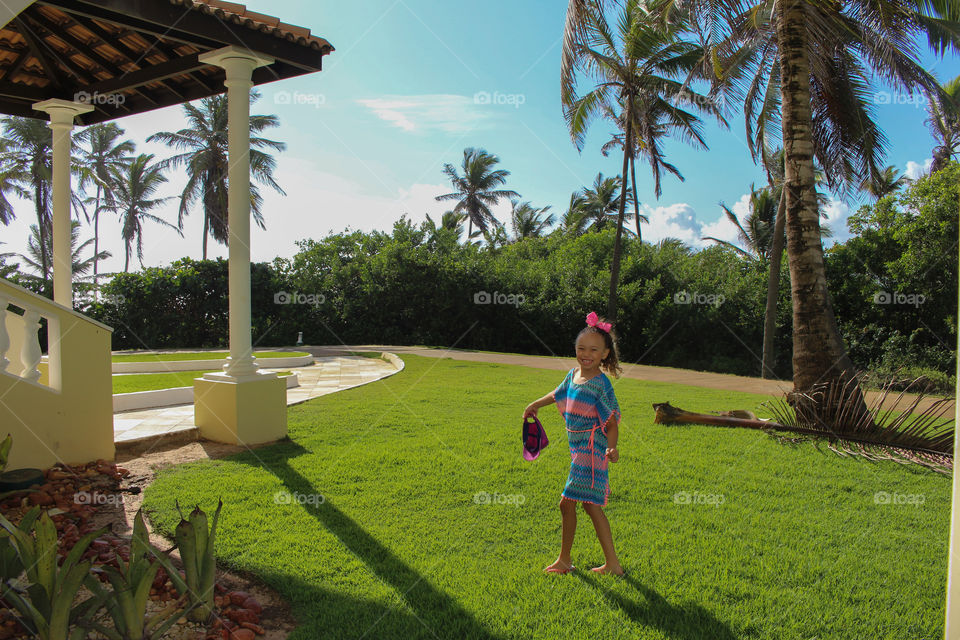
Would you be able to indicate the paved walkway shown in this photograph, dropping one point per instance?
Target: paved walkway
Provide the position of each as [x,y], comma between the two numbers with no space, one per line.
[636,371]
[327,375]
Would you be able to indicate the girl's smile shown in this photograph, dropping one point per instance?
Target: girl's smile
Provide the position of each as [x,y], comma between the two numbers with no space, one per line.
[591,351]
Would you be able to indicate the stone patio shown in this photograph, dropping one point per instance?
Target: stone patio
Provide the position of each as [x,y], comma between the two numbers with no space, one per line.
[146,428]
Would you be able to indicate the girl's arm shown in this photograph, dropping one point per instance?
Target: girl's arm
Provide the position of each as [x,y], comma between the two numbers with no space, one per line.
[613,434]
[534,406]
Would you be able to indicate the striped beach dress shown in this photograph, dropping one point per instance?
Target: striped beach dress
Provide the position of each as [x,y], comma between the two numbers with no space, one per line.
[585,409]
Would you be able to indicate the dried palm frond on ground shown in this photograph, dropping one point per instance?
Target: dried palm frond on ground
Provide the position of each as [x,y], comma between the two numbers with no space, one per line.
[905,435]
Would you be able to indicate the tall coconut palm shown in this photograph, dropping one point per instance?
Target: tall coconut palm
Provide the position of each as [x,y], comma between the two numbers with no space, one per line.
[806,67]
[101,150]
[450,220]
[574,221]
[887,181]
[28,144]
[203,154]
[12,178]
[529,221]
[134,186]
[635,69]
[34,255]
[755,233]
[600,203]
[478,188]
[944,122]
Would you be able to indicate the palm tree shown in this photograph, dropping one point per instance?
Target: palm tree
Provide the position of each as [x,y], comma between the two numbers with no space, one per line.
[756,231]
[476,191]
[633,69]
[101,151]
[29,145]
[134,186]
[806,67]
[575,220]
[944,123]
[203,153]
[529,221]
[887,181]
[34,256]
[450,220]
[601,202]
[12,178]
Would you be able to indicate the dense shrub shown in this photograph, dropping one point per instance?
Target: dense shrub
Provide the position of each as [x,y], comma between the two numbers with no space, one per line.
[700,310]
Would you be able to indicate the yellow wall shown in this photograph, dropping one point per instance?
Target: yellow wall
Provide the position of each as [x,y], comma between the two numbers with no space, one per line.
[72,420]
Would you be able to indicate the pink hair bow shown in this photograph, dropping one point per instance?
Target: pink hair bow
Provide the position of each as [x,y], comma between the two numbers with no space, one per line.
[593,320]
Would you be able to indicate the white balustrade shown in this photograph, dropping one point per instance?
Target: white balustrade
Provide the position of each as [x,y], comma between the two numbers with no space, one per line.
[4,338]
[31,354]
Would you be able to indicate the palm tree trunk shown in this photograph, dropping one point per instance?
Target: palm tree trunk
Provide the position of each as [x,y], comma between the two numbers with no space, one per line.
[636,203]
[206,229]
[773,290]
[42,227]
[818,352]
[96,246]
[615,264]
[469,228]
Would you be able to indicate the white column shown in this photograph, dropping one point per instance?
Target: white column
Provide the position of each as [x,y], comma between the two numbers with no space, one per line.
[239,65]
[61,114]
[952,626]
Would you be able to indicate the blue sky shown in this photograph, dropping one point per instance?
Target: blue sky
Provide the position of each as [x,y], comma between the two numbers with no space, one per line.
[414,82]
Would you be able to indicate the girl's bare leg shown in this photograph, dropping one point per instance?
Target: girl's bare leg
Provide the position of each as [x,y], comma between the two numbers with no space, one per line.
[568,514]
[602,527]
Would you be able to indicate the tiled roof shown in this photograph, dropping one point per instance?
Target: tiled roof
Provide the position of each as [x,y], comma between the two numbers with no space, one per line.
[239,14]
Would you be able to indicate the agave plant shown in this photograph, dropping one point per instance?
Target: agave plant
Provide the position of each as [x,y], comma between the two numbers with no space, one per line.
[45,607]
[199,565]
[127,603]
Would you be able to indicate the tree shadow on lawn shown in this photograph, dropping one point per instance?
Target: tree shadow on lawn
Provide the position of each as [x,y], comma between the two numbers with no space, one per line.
[688,621]
[438,613]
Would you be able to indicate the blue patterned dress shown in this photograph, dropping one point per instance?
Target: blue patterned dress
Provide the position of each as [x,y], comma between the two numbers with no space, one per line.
[586,408]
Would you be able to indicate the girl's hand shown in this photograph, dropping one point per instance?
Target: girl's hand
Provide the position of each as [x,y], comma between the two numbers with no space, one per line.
[530,411]
[613,455]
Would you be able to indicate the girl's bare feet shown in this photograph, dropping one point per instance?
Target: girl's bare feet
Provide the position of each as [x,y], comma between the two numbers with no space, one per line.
[560,566]
[615,571]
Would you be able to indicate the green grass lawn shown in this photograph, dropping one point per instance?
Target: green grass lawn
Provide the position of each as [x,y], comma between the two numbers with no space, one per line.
[199,355]
[368,521]
[130,382]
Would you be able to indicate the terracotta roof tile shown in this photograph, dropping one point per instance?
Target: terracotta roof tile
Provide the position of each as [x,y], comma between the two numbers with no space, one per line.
[239,14]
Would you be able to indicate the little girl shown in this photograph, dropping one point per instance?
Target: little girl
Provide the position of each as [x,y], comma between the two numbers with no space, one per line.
[590,410]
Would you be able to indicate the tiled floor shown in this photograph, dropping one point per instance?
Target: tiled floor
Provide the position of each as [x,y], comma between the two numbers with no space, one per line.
[326,375]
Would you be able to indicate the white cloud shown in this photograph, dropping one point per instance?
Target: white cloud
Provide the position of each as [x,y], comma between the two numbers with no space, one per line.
[837,213]
[445,112]
[914,169]
[680,221]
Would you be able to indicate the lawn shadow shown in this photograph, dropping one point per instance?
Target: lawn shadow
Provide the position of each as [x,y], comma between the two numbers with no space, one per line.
[435,610]
[687,621]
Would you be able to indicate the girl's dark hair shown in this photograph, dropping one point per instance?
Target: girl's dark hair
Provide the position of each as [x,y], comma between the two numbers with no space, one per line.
[610,364]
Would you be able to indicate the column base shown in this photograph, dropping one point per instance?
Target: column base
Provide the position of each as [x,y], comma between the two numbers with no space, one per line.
[249,410]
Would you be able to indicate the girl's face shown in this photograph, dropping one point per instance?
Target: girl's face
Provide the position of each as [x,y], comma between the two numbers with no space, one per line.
[591,351]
